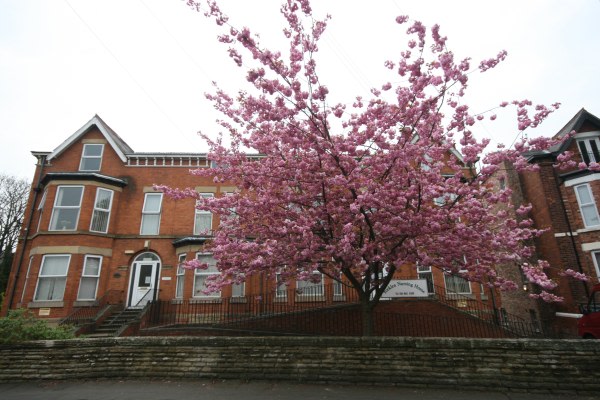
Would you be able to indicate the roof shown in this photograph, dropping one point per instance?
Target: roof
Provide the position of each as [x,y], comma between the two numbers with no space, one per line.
[118,144]
[76,176]
[574,124]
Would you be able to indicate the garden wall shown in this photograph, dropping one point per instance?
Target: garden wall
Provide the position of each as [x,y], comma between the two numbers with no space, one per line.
[550,366]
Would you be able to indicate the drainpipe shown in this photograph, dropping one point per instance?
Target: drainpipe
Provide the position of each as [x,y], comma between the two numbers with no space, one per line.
[42,161]
[570,229]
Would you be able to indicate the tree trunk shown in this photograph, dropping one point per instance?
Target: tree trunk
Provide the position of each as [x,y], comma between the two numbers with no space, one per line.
[366,309]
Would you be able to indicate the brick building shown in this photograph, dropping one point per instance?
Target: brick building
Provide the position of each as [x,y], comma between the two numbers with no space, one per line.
[95,227]
[565,204]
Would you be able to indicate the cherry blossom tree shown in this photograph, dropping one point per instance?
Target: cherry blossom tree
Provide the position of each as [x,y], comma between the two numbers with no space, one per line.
[358,191]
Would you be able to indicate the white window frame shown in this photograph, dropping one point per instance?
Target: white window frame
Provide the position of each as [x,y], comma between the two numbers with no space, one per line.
[427,270]
[211,270]
[456,277]
[302,286]
[238,289]
[56,208]
[85,157]
[90,276]
[40,208]
[202,213]
[180,278]
[98,210]
[590,205]
[151,213]
[596,259]
[53,277]
[280,293]
[588,149]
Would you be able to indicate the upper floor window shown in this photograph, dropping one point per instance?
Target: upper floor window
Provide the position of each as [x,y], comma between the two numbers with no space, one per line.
[587,205]
[151,214]
[52,278]
[66,208]
[203,218]
[589,150]
[40,208]
[91,157]
[101,214]
[89,278]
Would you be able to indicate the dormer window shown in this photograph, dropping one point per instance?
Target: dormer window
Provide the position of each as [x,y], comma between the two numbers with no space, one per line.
[91,158]
[589,150]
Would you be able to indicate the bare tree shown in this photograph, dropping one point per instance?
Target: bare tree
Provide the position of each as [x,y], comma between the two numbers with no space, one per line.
[13,201]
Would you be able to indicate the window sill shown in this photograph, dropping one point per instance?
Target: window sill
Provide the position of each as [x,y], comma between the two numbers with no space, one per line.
[459,296]
[309,298]
[590,229]
[85,303]
[239,299]
[207,300]
[46,304]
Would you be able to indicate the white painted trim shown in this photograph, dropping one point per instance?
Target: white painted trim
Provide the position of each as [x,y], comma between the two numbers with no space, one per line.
[92,122]
[591,229]
[582,179]
[565,234]
[568,315]
[587,135]
[590,246]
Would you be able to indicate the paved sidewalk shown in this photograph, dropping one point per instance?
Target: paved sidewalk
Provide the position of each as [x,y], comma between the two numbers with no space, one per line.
[226,390]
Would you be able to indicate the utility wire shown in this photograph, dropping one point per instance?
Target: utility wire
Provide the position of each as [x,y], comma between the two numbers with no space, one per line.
[139,85]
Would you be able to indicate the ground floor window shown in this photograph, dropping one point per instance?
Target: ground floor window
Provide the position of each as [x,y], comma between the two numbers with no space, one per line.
[201,275]
[457,284]
[89,278]
[311,288]
[180,277]
[52,278]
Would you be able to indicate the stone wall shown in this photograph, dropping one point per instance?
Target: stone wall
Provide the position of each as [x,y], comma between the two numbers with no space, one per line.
[549,366]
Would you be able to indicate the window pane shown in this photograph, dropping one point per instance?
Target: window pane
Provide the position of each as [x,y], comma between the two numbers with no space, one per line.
[590,215]
[203,223]
[90,164]
[50,289]
[69,196]
[54,265]
[237,290]
[150,224]
[87,288]
[92,266]
[103,198]
[584,194]
[100,221]
[64,219]
[152,203]
[92,150]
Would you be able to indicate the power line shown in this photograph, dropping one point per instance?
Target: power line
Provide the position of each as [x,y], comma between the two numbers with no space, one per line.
[139,85]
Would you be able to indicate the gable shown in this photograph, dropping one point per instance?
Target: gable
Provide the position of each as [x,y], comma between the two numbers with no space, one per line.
[118,145]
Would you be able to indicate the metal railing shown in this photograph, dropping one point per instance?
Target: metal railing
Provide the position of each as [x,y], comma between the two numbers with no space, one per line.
[324,309]
[90,313]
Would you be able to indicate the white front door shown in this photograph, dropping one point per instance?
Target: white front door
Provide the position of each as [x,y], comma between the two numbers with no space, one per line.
[143,286]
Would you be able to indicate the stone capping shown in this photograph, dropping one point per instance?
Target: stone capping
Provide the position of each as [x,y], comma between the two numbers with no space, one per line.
[519,365]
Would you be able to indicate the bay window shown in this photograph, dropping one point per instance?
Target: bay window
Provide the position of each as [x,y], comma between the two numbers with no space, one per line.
[52,278]
[200,276]
[101,213]
[67,204]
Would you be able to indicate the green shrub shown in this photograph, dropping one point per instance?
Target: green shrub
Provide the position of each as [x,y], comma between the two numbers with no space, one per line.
[20,325]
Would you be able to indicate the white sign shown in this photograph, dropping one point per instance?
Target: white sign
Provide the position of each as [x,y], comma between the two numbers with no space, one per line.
[406,288]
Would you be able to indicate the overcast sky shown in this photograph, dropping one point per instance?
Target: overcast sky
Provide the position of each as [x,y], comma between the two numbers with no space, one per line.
[144,65]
